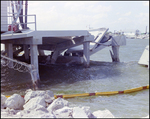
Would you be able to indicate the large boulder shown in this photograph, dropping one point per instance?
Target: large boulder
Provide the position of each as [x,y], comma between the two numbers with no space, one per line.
[48,95]
[64,112]
[79,113]
[103,114]
[57,104]
[32,103]
[15,102]
[32,94]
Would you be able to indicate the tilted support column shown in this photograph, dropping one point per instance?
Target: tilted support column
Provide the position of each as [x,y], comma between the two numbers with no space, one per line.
[55,55]
[86,55]
[115,54]
[117,41]
[86,50]
[34,58]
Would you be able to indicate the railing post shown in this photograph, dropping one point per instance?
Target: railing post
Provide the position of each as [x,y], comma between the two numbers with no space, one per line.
[24,24]
[35,22]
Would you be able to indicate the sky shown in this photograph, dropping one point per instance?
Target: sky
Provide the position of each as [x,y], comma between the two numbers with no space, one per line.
[126,16]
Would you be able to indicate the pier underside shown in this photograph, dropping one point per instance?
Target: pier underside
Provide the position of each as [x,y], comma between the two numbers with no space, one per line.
[64,46]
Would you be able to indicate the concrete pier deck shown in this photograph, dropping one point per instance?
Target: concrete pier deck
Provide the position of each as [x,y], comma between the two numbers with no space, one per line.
[36,41]
[75,44]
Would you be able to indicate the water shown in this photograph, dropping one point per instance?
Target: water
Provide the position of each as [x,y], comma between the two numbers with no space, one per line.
[103,75]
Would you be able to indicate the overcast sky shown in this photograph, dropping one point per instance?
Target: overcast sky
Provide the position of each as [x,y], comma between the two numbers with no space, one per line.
[126,16]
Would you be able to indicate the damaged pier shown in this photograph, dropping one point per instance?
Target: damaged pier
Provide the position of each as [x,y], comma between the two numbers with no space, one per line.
[75,45]
[65,45]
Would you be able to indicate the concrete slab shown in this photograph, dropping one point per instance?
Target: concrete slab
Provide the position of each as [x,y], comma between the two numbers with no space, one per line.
[40,34]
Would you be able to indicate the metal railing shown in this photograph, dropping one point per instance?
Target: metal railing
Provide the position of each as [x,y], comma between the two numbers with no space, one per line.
[12,24]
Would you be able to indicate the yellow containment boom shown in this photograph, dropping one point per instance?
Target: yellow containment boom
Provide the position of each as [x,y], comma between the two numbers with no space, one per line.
[101,93]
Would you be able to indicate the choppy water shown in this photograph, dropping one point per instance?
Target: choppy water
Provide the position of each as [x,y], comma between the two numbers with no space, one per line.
[103,75]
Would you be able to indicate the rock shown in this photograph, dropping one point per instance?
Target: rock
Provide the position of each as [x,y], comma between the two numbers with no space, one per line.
[88,112]
[23,112]
[3,99]
[35,115]
[15,102]
[64,112]
[39,109]
[48,95]
[9,113]
[79,113]
[103,114]
[29,90]
[57,104]
[31,94]
[12,111]
[32,103]
[3,106]
[4,113]
[38,112]
[47,116]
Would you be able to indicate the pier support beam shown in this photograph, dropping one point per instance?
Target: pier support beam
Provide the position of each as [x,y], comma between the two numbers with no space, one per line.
[115,54]
[34,58]
[26,52]
[86,55]
[54,57]
[9,51]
